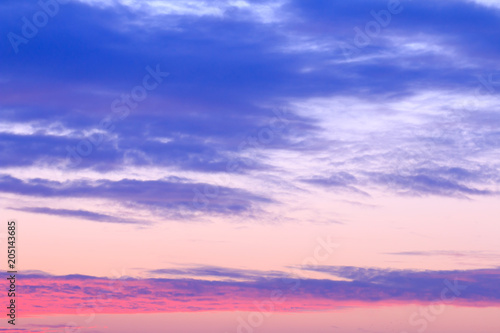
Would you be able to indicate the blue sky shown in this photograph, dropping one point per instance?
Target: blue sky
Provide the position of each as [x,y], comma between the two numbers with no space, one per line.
[216,142]
[409,107]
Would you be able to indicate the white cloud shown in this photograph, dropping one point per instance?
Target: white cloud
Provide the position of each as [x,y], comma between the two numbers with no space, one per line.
[489,3]
[266,12]
[32,129]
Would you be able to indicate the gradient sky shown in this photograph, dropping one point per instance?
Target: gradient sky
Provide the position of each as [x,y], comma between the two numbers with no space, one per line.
[252,165]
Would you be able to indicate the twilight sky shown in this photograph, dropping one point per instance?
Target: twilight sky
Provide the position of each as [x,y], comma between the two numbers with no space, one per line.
[252,165]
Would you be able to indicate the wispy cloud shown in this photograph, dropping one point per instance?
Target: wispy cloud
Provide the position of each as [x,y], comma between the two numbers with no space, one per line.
[455,254]
[161,194]
[83,214]
[363,287]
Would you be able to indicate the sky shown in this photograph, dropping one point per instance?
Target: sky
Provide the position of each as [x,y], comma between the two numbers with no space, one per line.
[252,165]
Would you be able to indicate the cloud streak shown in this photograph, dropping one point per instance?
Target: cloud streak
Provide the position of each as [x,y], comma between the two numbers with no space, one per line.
[163,194]
[363,287]
[83,214]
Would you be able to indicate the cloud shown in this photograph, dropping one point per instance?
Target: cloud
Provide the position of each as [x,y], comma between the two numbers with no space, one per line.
[261,11]
[215,272]
[411,180]
[340,181]
[83,214]
[163,194]
[33,328]
[427,184]
[454,254]
[363,287]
